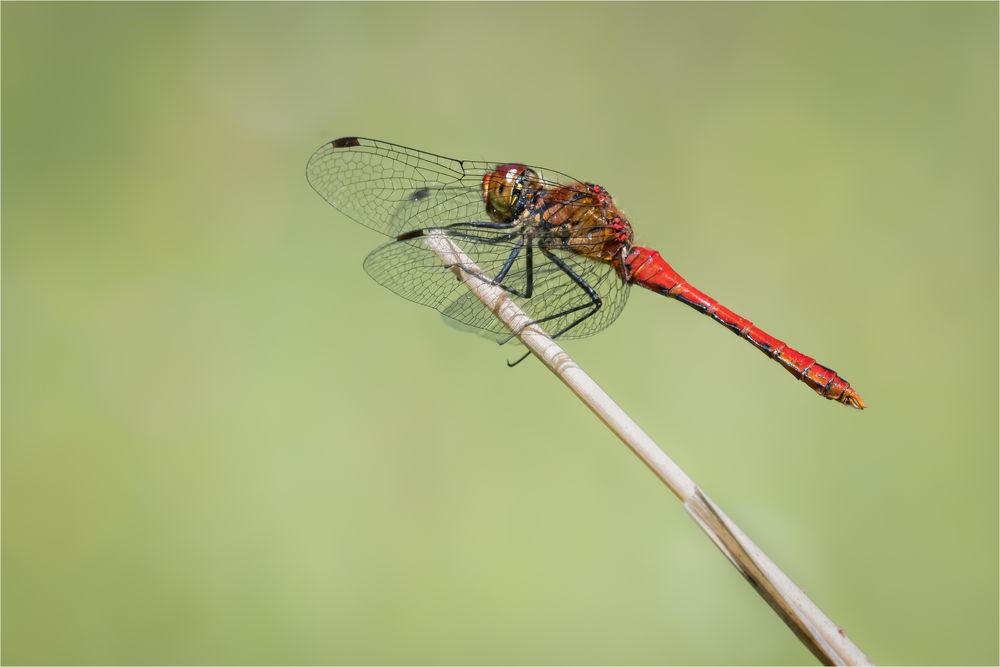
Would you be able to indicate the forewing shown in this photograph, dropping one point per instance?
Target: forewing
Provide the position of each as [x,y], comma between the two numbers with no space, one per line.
[393,189]
[437,205]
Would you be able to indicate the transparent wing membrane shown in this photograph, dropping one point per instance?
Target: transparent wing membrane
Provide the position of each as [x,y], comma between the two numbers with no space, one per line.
[410,269]
[384,186]
[400,191]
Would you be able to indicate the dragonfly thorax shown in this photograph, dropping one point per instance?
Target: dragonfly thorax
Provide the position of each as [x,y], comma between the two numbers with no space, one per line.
[595,226]
[581,217]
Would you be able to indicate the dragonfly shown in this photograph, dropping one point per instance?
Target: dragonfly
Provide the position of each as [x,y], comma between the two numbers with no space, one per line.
[560,247]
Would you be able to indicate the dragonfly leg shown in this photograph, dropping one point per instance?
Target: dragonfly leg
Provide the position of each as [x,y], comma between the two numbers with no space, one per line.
[529,279]
[522,243]
[591,307]
[505,269]
[481,224]
[490,240]
[455,231]
[452,233]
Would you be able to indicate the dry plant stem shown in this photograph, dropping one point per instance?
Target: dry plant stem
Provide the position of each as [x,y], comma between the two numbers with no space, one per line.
[820,635]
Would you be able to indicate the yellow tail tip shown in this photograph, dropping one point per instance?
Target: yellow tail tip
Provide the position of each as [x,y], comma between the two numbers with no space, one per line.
[852,399]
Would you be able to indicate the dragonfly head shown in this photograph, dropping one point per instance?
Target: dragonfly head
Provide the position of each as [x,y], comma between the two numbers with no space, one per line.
[506,189]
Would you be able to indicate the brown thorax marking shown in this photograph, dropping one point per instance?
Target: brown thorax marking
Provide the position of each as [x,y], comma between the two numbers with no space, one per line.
[589,224]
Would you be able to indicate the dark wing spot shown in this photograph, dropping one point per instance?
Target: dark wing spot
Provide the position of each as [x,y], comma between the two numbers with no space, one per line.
[422,193]
[410,235]
[345,142]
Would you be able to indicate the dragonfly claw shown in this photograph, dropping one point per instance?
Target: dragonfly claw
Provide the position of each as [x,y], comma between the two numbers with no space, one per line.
[852,399]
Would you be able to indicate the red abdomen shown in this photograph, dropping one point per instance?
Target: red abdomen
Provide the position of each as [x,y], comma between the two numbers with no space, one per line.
[647,268]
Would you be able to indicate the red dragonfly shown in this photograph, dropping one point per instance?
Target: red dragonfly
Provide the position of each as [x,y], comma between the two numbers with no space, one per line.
[559,246]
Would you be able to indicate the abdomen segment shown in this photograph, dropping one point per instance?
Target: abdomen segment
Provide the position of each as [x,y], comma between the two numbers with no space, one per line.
[647,268]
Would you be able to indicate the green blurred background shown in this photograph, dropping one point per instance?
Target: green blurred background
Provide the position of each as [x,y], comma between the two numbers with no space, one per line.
[222,443]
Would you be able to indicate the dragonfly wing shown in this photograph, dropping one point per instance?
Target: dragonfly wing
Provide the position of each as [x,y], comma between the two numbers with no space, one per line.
[413,271]
[438,205]
[467,313]
[393,189]
[370,180]
[410,269]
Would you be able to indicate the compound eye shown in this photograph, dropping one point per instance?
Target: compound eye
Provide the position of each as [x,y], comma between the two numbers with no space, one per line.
[505,189]
[515,177]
